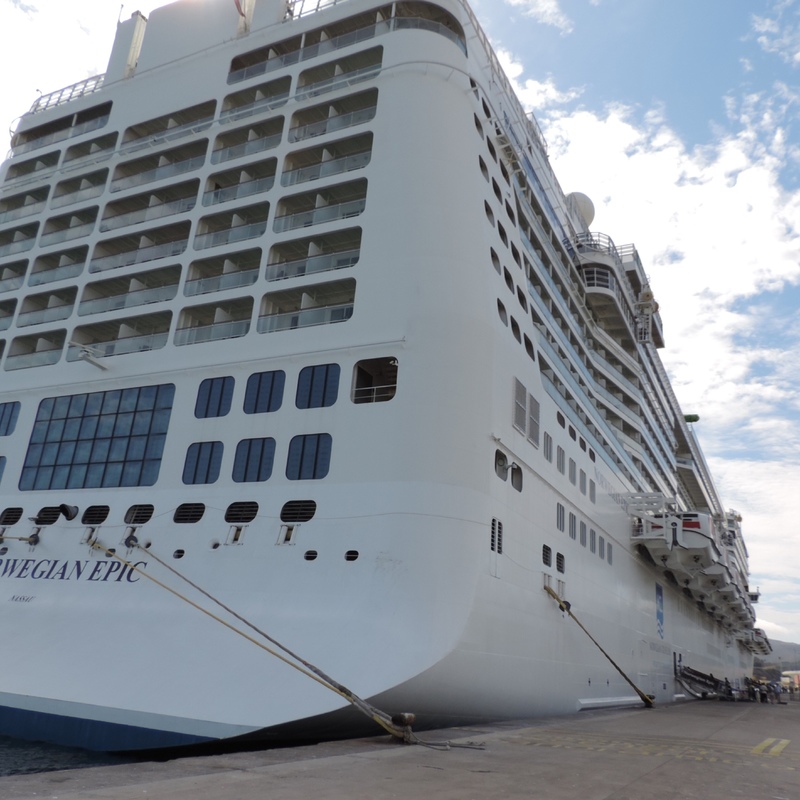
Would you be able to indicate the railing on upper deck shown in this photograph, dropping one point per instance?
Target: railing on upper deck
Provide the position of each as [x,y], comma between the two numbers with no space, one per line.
[68,93]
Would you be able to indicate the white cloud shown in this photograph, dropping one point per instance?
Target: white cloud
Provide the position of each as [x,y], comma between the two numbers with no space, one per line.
[779,32]
[535,95]
[548,12]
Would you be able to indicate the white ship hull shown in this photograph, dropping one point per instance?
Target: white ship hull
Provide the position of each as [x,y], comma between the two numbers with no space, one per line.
[418,581]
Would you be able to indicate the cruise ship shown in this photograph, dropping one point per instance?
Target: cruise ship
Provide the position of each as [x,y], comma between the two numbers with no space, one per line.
[319,396]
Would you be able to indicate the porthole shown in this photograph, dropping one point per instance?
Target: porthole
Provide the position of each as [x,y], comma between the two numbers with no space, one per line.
[3,550]
[110,552]
[215,545]
[310,555]
[179,554]
[351,555]
[501,310]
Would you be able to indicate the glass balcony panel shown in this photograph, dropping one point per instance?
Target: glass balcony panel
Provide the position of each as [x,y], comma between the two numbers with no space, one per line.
[336,166]
[316,216]
[218,283]
[245,149]
[146,214]
[213,332]
[237,234]
[116,302]
[39,359]
[138,256]
[337,123]
[129,344]
[308,266]
[305,318]
[240,190]
[44,315]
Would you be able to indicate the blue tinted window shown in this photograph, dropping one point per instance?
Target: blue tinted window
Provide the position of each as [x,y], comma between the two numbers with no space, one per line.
[202,464]
[317,386]
[309,457]
[214,397]
[8,418]
[253,461]
[264,392]
[100,439]
[2,466]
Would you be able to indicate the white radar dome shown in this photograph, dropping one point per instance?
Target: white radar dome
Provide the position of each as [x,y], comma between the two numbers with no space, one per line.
[583,205]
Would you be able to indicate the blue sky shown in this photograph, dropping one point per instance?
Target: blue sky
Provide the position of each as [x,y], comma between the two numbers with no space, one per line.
[679,118]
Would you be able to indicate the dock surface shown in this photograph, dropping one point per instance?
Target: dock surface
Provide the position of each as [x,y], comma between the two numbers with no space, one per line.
[701,749]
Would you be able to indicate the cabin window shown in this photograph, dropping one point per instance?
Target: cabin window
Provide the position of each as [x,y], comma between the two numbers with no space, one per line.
[253,460]
[317,386]
[309,457]
[573,520]
[592,540]
[547,444]
[8,418]
[582,481]
[214,398]
[203,460]
[264,392]
[592,491]
[559,516]
[583,534]
[609,553]
[573,471]
[560,459]
[601,548]
[2,466]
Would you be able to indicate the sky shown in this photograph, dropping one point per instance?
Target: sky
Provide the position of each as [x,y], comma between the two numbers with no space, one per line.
[679,119]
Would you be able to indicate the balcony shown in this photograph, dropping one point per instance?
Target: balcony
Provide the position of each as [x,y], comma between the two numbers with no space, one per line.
[142,288]
[169,127]
[158,167]
[18,240]
[33,169]
[7,308]
[255,100]
[120,336]
[58,130]
[336,158]
[158,204]
[330,204]
[35,350]
[79,189]
[252,179]
[320,304]
[150,245]
[335,115]
[228,319]
[294,259]
[92,151]
[339,74]
[236,225]
[231,271]
[68,226]
[12,275]
[58,266]
[47,307]
[247,141]
[23,205]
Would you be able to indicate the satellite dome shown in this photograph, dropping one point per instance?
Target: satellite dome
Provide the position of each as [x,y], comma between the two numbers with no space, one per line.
[583,205]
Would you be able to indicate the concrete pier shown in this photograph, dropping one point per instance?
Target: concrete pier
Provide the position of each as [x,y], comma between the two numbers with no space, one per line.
[707,750]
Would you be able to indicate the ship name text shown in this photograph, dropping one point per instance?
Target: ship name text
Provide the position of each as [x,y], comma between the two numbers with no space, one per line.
[55,569]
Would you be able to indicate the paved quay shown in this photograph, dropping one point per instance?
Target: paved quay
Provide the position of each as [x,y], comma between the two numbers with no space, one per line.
[707,750]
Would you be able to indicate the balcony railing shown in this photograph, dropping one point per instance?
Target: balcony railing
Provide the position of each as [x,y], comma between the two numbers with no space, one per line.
[331,124]
[68,93]
[265,104]
[303,219]
[9,284]
[22,211]
[305,318]
[103,263]
[55,274]
[89,193]
[147,214]
[307,266]
[60,136]
[115,302]
[245,148]
[118,347]
[217,283]
[166,135]
[236,234]
[39,359]
[213,332]
[157,174]
[239,190]
[336,166]
[17,247]
[65,234]
[44,315]
[337,82]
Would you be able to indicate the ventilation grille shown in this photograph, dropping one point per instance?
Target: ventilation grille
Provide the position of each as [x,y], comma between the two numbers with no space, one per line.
[139,514]
[95,515]
[241,512]
[189,512]
[298,511]
[10,516]
[48,515]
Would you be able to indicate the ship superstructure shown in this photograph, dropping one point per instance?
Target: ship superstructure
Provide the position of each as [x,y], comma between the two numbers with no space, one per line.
[292,301]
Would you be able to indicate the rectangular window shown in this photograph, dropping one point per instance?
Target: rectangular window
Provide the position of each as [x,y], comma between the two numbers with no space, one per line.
[573,521]
[8,418]
[2,467]
[264,392]
[559,516]
[317,386]
[203,460]
[214,397]
[309,457]
[609,554]
[573,471]
[602,547]
[253,460]
[592,491]
[583,534]
[547,443]
[582,481]
[101,439]
[533,420]
[592,540]
[560,459]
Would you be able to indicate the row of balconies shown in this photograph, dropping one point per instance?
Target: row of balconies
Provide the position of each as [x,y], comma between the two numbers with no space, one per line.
[307,306]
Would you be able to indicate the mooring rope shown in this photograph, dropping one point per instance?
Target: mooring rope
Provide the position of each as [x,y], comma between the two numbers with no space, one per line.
[565,607]
[398,725]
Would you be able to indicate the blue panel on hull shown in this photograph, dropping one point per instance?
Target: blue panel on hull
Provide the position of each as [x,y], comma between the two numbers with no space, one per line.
[89,734]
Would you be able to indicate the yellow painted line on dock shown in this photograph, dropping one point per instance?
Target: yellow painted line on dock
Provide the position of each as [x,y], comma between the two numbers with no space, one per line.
[775,746]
